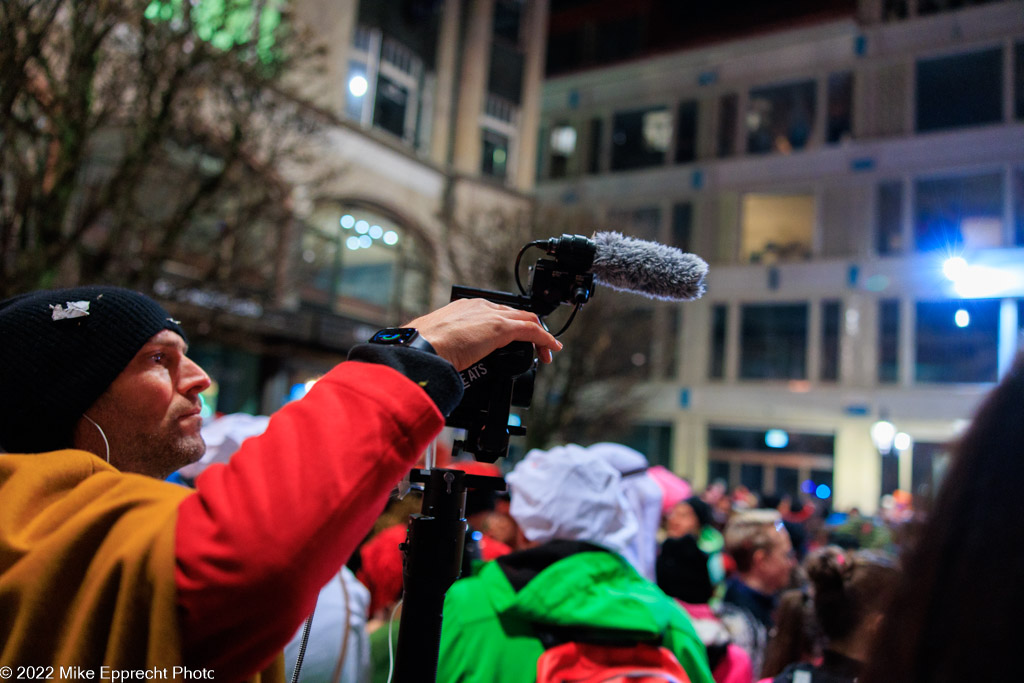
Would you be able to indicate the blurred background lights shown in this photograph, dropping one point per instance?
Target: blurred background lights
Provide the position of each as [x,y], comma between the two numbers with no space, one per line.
[808,486]
[357,85]
[776,438]
[823,491]
[954,268]
[365,242]
[902,441]
[391,237]
[347,221]
[376,232]
[962,318]
[352,243]
[362,227]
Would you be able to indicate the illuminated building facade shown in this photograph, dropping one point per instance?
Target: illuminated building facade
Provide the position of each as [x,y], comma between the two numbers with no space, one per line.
[827,166]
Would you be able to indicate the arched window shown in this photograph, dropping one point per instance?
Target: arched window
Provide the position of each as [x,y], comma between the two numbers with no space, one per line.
[359,262]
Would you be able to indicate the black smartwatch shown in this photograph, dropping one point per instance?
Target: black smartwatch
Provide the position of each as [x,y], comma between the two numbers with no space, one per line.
[402,336]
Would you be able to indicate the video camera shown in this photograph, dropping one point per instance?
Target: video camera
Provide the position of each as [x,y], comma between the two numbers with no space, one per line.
[505,377]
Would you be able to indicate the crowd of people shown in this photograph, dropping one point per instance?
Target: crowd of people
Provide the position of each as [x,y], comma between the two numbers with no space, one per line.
[591,561]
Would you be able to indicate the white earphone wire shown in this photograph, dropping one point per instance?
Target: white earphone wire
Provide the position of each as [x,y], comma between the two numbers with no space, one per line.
[106,444]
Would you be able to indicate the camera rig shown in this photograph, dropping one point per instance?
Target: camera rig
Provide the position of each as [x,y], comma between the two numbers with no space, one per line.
[505,377]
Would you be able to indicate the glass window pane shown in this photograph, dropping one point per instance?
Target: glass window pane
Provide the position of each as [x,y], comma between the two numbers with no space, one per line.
[889,218]
[686,133]
[787,482]
[719,316]
[777,227]
[957,341]
[389,106]
[1018,206]
[682,224]
[780,118]
[829,370]
[596,130]
[728,118]
[888,340]
[1018,79]
[752,476]
[355,90]
[640,138]
[718,470]
[956,213]
[773,341]
[562,144]
[495,154]
[839,124]
[960,90]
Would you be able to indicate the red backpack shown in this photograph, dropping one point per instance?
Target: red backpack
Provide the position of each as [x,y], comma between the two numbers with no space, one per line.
[575,662]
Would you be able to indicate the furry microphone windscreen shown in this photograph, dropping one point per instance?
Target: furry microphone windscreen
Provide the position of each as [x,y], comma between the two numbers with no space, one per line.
[654,270]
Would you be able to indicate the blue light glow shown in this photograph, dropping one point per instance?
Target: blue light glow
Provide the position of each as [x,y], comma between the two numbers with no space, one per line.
[776,438]
[807,487]
[823,491]
[962,317]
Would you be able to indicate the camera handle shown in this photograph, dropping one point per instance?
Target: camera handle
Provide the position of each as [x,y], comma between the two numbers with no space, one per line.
[432,561]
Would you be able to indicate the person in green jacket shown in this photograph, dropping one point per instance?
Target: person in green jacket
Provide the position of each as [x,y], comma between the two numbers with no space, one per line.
[570,581]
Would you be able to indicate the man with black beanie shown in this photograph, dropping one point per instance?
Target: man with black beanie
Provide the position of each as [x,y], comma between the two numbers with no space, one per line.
[102,564]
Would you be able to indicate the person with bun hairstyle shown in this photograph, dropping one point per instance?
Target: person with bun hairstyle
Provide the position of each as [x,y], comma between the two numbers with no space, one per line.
[849,594]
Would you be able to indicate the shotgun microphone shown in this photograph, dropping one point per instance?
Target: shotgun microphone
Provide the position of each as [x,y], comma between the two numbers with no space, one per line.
[650,269]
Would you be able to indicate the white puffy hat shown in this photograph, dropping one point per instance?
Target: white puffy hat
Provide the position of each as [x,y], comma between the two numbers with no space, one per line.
[569,493]
[644,497]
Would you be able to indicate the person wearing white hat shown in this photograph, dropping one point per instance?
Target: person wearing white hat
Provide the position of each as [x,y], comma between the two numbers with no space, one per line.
[571,579]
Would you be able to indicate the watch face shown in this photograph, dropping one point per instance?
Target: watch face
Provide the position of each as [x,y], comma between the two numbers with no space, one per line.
[394,335]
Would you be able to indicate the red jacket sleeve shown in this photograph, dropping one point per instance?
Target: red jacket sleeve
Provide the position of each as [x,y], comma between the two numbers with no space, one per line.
[264,533]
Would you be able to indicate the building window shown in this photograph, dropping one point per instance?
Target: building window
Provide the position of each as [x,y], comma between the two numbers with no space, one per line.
[774,461]
[773,341]
[728,119]
[960,90]
[1018,79]
[385,84]
[686,133]
[830,315]
[889,218]
[777,228]
[562,144]
[1018,206]
[719,321]
[596,131]
[640,138]
[361,263]
[957,341]
[780,118]
[495,154]
[654,441]
[952,214]
[888,341]
[682,225]
[839,115]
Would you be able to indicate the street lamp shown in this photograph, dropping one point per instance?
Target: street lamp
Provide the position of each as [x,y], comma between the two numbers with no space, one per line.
[883,435]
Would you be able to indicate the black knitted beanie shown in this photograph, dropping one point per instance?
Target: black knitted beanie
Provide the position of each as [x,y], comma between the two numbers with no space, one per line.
[59,351]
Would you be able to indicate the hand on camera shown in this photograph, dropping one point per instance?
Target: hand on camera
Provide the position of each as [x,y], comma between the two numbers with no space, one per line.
[466,330]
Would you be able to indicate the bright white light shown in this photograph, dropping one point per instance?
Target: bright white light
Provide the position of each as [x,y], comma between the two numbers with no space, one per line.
[365,242]
[362,227]
[347,221]
[352,243]
[376,231]
[776,438]
[357,85]
[391,237]
[563,140]
[902,441]
[985,282]
[954,268]
[883,433]
[962,318]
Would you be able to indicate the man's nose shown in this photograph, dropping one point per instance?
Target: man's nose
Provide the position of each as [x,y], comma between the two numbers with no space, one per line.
[194,379]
